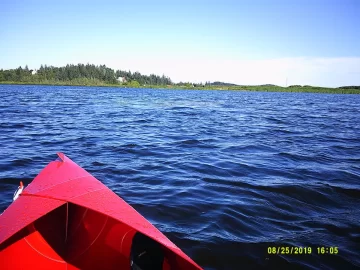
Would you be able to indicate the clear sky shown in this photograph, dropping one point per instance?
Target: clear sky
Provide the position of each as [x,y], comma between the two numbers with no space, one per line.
[313,42]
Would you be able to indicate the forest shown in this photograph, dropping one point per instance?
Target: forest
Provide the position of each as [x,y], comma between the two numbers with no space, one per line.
[80,74]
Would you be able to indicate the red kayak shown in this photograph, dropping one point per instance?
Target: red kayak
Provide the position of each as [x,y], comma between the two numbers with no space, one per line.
[67,219]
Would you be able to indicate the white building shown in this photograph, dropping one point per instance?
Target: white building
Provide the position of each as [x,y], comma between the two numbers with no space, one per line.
[121,79]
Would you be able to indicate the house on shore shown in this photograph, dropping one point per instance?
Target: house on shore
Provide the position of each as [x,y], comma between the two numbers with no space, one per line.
[121,79]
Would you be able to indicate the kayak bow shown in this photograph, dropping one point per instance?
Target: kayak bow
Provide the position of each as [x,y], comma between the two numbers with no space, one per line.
[67,219]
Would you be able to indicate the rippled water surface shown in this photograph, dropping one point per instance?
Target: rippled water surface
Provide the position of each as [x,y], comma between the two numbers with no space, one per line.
[223,174]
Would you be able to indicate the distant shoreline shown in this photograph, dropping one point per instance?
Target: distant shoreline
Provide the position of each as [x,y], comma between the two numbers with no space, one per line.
[100,75]
[261,88]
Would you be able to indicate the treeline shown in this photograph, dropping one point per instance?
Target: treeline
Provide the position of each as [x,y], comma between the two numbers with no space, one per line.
[309,86]
[220,84]
[304,86]
[206,84]
[84,73]
[101,75]
[350,87]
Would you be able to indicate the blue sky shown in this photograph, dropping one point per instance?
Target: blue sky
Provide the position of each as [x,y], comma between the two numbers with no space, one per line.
[246,42]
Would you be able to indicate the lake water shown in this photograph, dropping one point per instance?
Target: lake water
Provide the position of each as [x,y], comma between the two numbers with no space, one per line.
[224,174]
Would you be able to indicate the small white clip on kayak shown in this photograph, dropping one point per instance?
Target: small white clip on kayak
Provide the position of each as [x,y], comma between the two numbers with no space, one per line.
[18,191]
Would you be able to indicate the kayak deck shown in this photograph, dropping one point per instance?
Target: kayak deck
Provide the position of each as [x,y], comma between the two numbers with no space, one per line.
[54,226]
[72,235]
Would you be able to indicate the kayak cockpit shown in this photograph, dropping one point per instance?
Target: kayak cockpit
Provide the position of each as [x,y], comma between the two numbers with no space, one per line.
[75,237]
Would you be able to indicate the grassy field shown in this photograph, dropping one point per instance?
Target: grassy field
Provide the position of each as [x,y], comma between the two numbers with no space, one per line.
[263,88]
